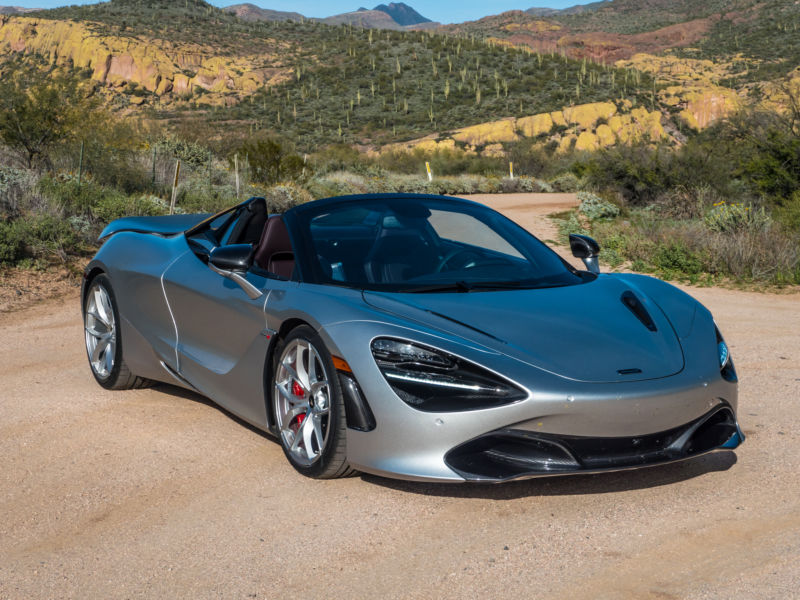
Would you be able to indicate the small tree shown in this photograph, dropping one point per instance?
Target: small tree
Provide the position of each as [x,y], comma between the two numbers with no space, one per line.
[38,111]
[272,159]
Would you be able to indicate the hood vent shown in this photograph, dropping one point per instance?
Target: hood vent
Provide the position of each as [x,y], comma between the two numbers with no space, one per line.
[635,305]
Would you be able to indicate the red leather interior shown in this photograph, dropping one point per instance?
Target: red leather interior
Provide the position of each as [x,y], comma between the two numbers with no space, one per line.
[274,252]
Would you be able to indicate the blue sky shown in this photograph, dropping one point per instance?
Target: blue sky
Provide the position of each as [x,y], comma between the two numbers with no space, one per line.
[450,11]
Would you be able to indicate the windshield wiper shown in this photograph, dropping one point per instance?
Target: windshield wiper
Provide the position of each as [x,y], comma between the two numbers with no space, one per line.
[463,287]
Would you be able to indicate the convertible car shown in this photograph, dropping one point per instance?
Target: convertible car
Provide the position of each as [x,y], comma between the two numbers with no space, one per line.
[412,336]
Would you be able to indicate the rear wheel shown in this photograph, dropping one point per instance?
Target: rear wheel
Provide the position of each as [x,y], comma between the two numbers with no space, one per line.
[309,409]
[103,340]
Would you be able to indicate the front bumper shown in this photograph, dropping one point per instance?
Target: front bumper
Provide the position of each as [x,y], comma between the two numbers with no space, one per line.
[508,454]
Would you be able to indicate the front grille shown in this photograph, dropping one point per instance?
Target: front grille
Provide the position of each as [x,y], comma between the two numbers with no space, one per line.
[511,453]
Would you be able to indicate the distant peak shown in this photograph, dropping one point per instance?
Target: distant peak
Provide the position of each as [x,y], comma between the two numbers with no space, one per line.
[402,13]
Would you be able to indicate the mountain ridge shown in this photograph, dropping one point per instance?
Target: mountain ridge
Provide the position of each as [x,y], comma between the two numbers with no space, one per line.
[394,16]
[251,12]
[16,10]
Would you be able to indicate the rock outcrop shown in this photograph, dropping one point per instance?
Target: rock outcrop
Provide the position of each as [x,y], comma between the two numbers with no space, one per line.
[159,66]
[583,127]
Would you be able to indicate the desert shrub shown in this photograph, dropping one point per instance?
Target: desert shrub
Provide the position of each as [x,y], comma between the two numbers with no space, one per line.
[12,247]
[532,159]
[787,213]
[686,202]
[336,157]
[637,172]
[570,224]
[760,254]
[69,198]
[726,218]
[675,258]
[198,194]
[595,208]
[339,183]
[115,206]
[272,159]
[281,198]
[189,153]
[15,186]
[566,182]
[612,250]
[38,237]
[520,185]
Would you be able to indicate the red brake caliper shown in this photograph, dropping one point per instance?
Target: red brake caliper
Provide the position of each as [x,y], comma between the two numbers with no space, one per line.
[297,390]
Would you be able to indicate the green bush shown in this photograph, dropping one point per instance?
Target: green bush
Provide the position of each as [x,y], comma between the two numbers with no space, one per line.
[190,153]
[570,224]
[566,182]
[787,213]
[198,194]
[38,237]
[12,247]
[677,258]
[281,198]
[726,218]
[595,208]
[115,206]
[15,186]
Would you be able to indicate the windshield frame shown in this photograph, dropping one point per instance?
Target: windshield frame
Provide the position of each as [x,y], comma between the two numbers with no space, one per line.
[299,219]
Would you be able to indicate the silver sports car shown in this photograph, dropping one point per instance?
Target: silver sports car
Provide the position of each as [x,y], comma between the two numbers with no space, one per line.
[418,337]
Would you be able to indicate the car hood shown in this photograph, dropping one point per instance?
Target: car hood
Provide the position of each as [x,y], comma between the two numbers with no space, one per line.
[583,332]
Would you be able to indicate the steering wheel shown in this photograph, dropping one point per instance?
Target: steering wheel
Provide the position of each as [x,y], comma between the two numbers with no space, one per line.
[452,254]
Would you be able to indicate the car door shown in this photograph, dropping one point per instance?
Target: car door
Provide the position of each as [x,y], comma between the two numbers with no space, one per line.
[222,335]
[222,332]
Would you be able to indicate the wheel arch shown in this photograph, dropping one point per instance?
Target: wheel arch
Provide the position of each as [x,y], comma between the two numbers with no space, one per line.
[89,276]
[286,327]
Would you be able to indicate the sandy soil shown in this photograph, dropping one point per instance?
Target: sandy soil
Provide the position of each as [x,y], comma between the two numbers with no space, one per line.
[157,493]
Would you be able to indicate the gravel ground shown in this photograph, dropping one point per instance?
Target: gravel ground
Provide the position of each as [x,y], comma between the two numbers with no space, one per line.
[158,493]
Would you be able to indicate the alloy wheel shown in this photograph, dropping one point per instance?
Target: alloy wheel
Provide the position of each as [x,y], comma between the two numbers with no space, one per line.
[101,332]
[302,401]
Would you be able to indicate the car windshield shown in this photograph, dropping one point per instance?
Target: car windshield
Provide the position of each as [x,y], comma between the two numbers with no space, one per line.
[427,245]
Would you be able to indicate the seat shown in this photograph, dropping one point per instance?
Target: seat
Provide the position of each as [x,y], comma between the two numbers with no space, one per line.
[398,257]
[274,252]
[250,226]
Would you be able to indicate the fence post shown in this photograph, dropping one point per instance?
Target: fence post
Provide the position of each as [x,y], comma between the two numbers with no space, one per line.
[175,187]
[511,170]
[80,165]
[236,168]
[428,168]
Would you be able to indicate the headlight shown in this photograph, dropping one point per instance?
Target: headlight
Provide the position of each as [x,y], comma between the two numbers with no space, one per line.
[724,357]
[435,381]
[725,363]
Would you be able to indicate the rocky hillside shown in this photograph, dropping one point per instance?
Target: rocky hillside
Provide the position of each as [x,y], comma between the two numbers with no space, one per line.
[619,29]
[249,68]
[251,12]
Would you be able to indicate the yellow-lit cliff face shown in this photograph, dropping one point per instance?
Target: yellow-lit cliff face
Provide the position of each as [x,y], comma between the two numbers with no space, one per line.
[166,69]
[584,127]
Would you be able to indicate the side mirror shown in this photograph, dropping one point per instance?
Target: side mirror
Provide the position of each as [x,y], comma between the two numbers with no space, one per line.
[586,249]
[236,257]
[232,262]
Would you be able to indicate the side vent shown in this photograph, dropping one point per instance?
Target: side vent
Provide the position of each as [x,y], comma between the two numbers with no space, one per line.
[635,305]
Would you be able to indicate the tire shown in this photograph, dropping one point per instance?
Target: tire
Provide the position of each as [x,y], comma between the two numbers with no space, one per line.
[103,339]
[309,407]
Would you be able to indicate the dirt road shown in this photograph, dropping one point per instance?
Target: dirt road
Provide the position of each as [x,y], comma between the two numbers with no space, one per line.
[159,494]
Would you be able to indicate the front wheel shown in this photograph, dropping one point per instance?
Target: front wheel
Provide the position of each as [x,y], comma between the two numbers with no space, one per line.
[103,340]
[309,408]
